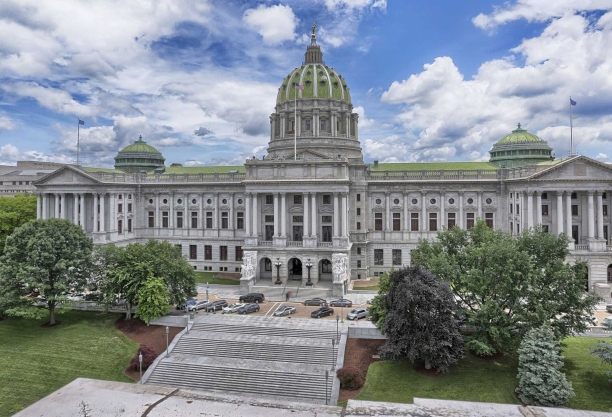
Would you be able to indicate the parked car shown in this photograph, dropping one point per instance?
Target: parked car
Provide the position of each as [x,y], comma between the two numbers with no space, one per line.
[216,305]
[341,302]
[253,297]
[357,313]
[315,302]
[590,321]
[609,308]
[199,304]
[232,308]
[322,312]
[249,308]
[607,321]
[284,311]
[186,304]
[370,300]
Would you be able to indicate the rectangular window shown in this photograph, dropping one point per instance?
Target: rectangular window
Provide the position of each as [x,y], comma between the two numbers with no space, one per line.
[359,211]
[322,124]
[433,222]
[378,256]
[604,196]
[604,209]
[544,196]
[151,219]
[224,220]
[164,219]
[517,209]
[358,225]
[269,218]
[239,253]
[120,196]
[269,199]
[326,219]
[179,219]
[209,220]
[397,222]
[326,198]
[358,251]
[451,220]
[396,257]
[223,253]
[605,233]
[575,233]
[269,232]
[511,228]
[298,219]
[489,219]
[119,208]
[207,252]
[307,124]
[544,209]
[193,251]
[297,199]
[129,207]
[378,221]
[414,222]
[194,219]
[574,196]
[358,263]
[469,223]
[327,233]
[326,267]
[129,225]
[574,209]
[358,197]
[240,220]
[510,208]
[120,227]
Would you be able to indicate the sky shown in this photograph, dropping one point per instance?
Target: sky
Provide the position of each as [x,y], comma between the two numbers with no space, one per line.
[431,80]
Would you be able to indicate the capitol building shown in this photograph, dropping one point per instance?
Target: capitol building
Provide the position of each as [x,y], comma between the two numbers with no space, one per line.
[312,206]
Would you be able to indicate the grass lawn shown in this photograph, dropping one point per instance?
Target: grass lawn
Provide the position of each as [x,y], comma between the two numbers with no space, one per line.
[35,362]
[370,288]
[202,277]
[474,379]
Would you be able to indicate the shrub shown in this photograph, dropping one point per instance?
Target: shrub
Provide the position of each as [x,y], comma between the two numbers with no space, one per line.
[350,378]
[148,357]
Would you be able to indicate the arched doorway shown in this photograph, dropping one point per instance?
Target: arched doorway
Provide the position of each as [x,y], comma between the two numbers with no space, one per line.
[609,274]
[325,270]
[294,269]
[265,268]
[586,280]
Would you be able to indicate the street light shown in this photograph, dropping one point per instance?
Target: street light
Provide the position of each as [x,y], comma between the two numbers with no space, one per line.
[337,323]
[333,353]
[309,265]
[278,264]
[207,302]
[167,334]
[326,389]
[187,327]
[140,363]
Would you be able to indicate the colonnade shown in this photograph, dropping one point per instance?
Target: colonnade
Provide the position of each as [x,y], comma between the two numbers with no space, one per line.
[315,117]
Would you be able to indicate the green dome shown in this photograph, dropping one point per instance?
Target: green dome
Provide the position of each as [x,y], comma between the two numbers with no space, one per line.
[318,80]
[139,157]
[140,146]
[519,135]
[520,148]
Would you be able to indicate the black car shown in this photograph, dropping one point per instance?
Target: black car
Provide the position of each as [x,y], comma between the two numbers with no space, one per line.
[253,297]
[341,302]
[322,312]
[315,302]
[249,308]
[216,305]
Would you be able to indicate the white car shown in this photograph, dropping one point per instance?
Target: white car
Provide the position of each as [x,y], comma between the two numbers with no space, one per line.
[197,305]
[591,321]
[607,321]
[232,308]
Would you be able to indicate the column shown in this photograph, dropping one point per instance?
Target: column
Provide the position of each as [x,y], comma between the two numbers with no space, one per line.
[63,206]
[95,209]
[231,212]
[272,127]
[461,222]
[45,206]
[529,209]
[479,201]
[521,213]
[201,218]
[157,212]
[56,202]
[344,215]
[559,212]
[247,214]
[332,121]
[313,196]
[282,126]
[406,219]
[387,212]
[112,216]
[336,213]
[284,214]
[255,224]
[568,213]
[39,204]
[591,208]
[348,125]
[102,216]
[538,207]
[442,213]
[276,214]
[423,211]
[75,209]
[298,123]
[356,127]
[171,212]
[306,202]
[82,207]
[600,221]
[315,124]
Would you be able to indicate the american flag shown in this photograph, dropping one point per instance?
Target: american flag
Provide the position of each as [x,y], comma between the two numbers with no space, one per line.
[298,86]
[81,122]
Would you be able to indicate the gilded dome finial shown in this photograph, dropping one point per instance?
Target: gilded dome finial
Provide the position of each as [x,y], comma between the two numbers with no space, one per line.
[314,34]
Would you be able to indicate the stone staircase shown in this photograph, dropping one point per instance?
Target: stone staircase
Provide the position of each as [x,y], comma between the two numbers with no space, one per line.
[253,356]
[298,291]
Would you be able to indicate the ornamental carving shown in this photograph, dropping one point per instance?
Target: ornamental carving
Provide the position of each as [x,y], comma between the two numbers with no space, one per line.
[339,266]
[249,259]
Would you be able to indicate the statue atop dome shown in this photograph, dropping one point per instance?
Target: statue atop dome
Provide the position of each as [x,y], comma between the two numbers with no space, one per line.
[314,35]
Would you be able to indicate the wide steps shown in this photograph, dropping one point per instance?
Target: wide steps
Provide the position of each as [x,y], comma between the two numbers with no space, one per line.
[309,387]
[264,331]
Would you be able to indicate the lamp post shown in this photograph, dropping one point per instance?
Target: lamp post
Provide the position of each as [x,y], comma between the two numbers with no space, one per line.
[326,389]
[309,265]
[207,302]
[140,363]
[333,353]
[167,335]
[337,323]
[278,264]
[187,327]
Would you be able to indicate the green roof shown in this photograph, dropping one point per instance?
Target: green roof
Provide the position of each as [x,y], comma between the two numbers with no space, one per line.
[105,170]
[140,146]
[329,84]
[433,166]
[519,135]
[222,169]
[553,162]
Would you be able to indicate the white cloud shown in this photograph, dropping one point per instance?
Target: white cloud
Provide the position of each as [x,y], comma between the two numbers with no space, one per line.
[602,156]
[355,4]
[364,122]
[275,23]
[9,151]
[54,99]
[6,123]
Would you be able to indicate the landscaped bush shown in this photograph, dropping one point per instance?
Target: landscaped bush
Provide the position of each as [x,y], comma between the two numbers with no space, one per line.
[148,356]
[350,378]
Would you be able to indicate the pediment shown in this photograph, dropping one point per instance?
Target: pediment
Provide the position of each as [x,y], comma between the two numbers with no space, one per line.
[67,175]
[310,154]
[578,168]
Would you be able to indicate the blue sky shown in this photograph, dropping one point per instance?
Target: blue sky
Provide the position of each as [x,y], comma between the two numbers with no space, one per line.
[432,80]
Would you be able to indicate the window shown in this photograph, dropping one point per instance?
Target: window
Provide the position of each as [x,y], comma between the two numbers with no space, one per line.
[544,209]
[469,217]
[239,253]
[151,219]
[307,124]
[378,256]
[574,209]
[297,199]
[240,220]
[489,219]
[359,211]
[224,220]
[129,225]
[518,211]
[378,221]
[414,222]
[119,208]
[396,257]
[397,223]
[208,252]
[120,226]
[510,208]
[451,220]
[433,222]
[575,233]
[605,230]
[269,199]
[574,196]
[604,196]
[129,207]
[120,196]
[358,251]
[298,219]
[194,219]
[359,197]
[323,124]
[209,220]
[326,198]
[267,265]
[269,232]
[358,225]
[269,218]
[358,263]
[193,251]
[604,209]
[164,219]
[129,196]
[327,233]
[179,219]
[511,228]
[326,266]
[544,196]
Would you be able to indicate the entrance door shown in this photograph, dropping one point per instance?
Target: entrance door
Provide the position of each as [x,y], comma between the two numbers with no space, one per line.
[295,269]
[298,232]
[575,234]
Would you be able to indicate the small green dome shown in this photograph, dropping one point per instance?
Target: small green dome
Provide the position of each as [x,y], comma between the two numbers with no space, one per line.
[520,148]
[519,135]
[140,146]
[139,157]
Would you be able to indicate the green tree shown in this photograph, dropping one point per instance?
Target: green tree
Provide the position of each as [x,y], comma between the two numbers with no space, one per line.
[152,299]
[603,351]
[50,257]
[507,285]
[420,320]
[377,310]
[15,212]
[541,381]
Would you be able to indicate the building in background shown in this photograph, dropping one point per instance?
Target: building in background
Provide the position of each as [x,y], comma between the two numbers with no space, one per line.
[19,179]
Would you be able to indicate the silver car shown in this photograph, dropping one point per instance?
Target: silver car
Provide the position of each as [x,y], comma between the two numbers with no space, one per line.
[357,313]
[284,311]
[232,308]
[199,304]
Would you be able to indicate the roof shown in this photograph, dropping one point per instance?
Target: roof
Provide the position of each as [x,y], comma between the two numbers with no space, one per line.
[318,80]
[140,146]
[433,166]
[222,169]
[105,170]
[520,136]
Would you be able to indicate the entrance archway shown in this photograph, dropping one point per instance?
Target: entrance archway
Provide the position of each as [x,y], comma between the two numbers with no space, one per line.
[586,280]
[294,269]
[325,270]
[609,274]
[265,268]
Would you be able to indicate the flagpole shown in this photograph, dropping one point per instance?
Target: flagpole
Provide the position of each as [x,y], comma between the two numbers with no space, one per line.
[571,129]
[295,91]
[78,138]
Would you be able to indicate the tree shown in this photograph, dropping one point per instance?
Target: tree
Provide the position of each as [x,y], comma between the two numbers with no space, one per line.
[507,285]
[419,320]
[15,212]
[152,299]
[49,258]
[377,310]
[541,381]
[603,351]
